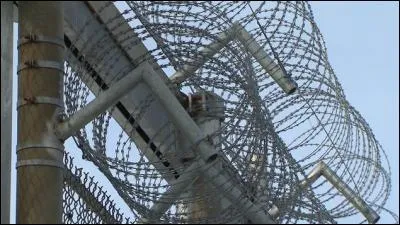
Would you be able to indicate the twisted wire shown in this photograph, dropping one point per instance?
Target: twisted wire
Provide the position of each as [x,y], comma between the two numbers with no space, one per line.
[270,140]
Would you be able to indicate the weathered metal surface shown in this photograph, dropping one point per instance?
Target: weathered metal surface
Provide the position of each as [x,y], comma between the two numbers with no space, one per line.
[40,170]
[6,106]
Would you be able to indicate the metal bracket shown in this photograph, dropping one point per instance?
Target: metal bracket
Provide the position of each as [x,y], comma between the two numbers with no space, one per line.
[40,162]
[58,148]
[321,169]
[40,100]
[41,64]
[238,32]
[34,38]
[205,104]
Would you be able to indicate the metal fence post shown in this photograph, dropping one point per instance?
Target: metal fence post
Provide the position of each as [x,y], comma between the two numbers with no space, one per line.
[40,165]
[207,111]
[6,105]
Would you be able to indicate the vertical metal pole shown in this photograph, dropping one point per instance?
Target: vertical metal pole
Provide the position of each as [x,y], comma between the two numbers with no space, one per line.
[207,204]
[206,151]
[6,106]
[40,78]
[208,113]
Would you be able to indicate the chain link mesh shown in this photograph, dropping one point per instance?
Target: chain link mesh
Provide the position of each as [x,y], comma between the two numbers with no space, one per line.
[85,201]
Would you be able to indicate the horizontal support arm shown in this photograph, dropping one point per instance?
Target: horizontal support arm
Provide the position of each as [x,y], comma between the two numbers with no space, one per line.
[207,53]
[239,33]
[104,100]
[323,170]
[274,70]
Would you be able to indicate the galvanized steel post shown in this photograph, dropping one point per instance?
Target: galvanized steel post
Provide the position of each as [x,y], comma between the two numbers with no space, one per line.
[208,112]
[6,105]
[206,151]
[40,101]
